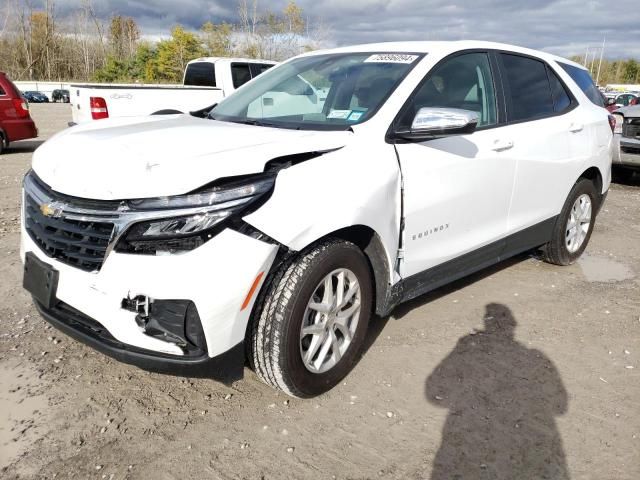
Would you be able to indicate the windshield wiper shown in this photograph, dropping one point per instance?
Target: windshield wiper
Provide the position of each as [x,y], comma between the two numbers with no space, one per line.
[257,123]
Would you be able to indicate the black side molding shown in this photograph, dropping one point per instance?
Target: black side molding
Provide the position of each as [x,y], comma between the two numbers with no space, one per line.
[472,262]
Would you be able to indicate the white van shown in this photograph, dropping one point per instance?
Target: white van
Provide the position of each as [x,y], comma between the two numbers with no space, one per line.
[275,230]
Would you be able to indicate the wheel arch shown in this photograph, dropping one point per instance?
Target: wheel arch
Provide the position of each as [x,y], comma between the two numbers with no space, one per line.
[595,175]
[379,259]
[367,240]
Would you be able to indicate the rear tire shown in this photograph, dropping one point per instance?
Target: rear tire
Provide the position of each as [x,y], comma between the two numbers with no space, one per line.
[574,225]
[313,319]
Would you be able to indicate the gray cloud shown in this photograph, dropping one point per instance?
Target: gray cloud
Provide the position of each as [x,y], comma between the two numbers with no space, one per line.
[564,27]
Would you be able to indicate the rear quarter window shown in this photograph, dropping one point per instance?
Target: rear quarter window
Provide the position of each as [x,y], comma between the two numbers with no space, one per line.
[585,82]
[240,74]
[200,74]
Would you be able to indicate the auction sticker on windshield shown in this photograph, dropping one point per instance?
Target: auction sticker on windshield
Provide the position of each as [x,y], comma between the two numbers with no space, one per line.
[391,58]
[341,114]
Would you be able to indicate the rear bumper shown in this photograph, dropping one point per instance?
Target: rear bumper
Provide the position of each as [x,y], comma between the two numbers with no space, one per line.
[226,367]
[21,129]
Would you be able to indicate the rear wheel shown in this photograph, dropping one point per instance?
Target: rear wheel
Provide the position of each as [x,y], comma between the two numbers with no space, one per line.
[574,225]
[3,143]
[313,320]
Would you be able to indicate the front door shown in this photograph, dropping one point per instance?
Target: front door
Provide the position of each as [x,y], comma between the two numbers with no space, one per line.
[457,189]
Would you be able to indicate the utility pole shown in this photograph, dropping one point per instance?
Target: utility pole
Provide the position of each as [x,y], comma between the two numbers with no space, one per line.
[600,63]
[586,57]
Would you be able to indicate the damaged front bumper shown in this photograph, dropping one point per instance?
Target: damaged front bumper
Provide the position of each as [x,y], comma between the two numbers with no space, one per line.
[211,282]
[226,367]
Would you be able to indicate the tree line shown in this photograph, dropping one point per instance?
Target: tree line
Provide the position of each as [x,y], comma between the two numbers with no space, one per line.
[37,45]
[611,71]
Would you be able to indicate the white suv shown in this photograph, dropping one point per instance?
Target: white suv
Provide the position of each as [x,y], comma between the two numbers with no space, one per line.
[278,224]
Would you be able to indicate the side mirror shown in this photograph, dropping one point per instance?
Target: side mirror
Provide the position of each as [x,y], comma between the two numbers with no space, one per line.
[611,101]
[433,122]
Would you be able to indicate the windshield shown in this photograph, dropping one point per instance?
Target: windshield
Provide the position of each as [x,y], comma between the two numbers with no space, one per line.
[318,92]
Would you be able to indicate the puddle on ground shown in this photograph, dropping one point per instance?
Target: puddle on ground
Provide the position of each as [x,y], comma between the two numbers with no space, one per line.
[21,410]
[602,269]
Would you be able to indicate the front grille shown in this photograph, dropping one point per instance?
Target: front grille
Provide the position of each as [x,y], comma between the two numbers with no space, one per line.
[631,128]
[81,244]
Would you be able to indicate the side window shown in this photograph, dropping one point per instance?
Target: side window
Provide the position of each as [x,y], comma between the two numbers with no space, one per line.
[561,99]
[2,92]
[240,74]
[585,82]
[528,90]
[200,74]
[464,81]
[258,68]
[624,100]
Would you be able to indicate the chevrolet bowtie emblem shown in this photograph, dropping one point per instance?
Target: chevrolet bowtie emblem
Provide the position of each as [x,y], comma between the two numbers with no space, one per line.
[53,209]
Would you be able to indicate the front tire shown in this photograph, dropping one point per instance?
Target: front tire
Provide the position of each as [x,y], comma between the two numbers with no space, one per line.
[313,320]
[574,225]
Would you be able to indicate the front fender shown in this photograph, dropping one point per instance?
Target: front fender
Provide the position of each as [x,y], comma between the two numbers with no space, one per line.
[341,189]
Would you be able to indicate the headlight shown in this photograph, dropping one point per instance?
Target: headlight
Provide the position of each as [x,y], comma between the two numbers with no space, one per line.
[194,218]
[619,121]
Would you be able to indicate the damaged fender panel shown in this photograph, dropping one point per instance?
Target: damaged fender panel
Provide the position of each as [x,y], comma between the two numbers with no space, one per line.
[338,190]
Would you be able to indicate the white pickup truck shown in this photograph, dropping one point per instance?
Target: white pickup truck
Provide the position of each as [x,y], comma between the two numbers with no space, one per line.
[206,81]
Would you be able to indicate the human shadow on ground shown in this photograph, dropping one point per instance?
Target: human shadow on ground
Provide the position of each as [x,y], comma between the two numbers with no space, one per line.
[502,399]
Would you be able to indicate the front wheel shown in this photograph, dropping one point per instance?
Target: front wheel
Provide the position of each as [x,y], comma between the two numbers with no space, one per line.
[574,225]
[313,320]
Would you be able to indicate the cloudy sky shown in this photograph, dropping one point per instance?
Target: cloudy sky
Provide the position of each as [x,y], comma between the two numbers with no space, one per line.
[564,27]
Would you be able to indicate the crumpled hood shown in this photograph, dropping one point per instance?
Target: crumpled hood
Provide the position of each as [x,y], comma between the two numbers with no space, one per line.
[164,155]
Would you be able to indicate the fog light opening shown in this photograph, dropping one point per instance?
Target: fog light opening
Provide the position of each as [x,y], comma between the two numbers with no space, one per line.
[172,321]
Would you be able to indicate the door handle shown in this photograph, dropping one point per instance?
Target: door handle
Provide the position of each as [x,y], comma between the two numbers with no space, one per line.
[501,145]
[576,127]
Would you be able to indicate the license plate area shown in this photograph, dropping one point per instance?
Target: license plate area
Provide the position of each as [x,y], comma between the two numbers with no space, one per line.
[40,280]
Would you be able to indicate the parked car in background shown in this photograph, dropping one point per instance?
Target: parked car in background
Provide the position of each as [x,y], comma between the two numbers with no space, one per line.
[60,95]
[35,97]
[15,120]
[621,100]
[206,82]
[627,139]
[180,243]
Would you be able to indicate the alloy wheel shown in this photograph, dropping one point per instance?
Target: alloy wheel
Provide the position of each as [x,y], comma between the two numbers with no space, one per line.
[578,223]
[330,320]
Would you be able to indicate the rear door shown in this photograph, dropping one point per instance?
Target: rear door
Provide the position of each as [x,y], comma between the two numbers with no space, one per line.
[456,189]
[541,117]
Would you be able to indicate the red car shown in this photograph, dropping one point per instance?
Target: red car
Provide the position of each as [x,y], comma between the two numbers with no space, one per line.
[15,121]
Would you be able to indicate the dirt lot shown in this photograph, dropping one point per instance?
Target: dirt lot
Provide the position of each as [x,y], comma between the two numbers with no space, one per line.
[439,393]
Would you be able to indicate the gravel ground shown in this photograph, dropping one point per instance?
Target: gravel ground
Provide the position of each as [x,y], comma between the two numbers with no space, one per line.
[441,392]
